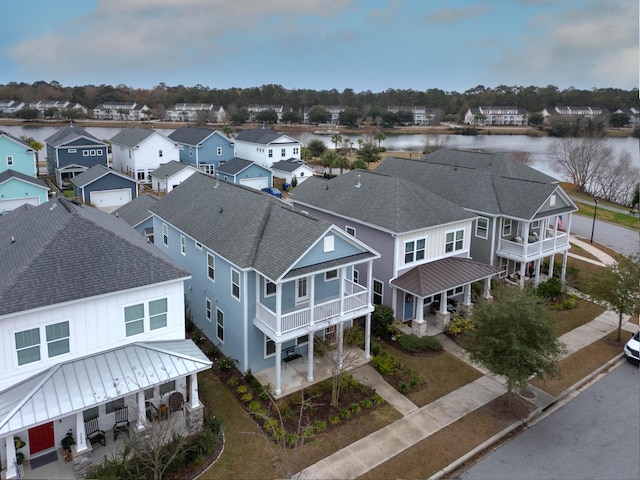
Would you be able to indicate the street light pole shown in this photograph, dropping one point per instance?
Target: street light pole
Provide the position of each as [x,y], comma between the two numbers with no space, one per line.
[595,209]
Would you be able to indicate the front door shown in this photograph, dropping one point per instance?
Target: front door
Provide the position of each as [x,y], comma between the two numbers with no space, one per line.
[408,306]
[41,438]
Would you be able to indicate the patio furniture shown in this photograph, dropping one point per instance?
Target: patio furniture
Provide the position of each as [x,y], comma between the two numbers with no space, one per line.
[176,402]
[151,411]
[93,432]
[122,422]
[289,355]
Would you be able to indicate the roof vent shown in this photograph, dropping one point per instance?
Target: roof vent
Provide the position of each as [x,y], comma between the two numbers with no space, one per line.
[221,210]
[13,239]
[358,185]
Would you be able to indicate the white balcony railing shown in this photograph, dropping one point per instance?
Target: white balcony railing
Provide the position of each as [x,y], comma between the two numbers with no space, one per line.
[356,297]
[530,250]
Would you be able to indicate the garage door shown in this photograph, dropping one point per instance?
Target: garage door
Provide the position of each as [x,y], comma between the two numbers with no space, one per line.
[13,203]
[257,183]
[110,198]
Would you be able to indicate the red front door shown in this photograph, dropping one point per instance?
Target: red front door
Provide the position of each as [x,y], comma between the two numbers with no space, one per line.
[41,438]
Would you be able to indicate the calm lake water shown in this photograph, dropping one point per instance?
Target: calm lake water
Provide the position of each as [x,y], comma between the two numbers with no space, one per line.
[536,147]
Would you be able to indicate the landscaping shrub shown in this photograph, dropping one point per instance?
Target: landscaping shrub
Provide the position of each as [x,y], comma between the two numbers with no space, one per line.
[384,363]
[549,289]
[567,304]
[381,321]
[459,326]
[414,344]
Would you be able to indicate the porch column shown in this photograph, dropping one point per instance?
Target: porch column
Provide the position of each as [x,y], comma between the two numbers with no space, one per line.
[523,266]
[370,284]
[563,273]
[487,289]
[278,309]
[141,420]
[193,394]
[311,287]
[278,389]
[420,309]
[537,271]
[340,345]
[443,303]
[367,336]
[342,277]
[551,259]
[525,238]
[310,357]
[10,451]
[81,435]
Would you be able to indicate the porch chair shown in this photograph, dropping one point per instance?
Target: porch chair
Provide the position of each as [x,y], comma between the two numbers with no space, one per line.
[93,432]
[289,355]
[176,402]
[122,422]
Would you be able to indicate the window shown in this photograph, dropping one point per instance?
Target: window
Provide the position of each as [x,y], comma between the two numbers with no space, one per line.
[111,407]
[356,276]
[454,241]
[72,150]
[98,152]
[296,150]
[303,340]
[482,227]
[92,153]
[350,230]
[235,283]
[191,151]
[535,225]
[158,314]
[198,245]
[165,234]
[506,227]
[301,290]
[57,339]
[270,153]
[207,308]
[9,160]
[552,200]
[183,245]
[211,267]
[141,176]
[455,291]
[283,152]
[90,413]
[148,393]
[160,153]
[328,243]
[330,275]
[167,387]
[414,250]
[85,153]
[377,292]
[220,325]
[269,288]
[219,150]
[269,347]
[28,346]
[134,319]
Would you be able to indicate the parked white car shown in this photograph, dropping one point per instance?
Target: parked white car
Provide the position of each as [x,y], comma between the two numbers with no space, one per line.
[632,348]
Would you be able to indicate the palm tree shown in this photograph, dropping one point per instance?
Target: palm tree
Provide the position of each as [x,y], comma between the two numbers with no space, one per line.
[227,130]
[37,146]
[335,138]
[341,162]
[329,159]
[379,137]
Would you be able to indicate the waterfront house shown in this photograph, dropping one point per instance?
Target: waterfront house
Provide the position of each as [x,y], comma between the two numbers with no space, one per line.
[290,169]
[265,147]
[203,148]
[245,172]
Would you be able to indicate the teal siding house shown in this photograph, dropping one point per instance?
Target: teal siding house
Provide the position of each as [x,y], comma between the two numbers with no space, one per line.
[265,279]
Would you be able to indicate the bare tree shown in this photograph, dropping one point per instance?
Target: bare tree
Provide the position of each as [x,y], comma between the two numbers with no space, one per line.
[434,142]
[522,157]
[616,181]
[581,159]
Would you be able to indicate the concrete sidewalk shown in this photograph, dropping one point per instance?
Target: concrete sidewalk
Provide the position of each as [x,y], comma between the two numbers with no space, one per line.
[604,259]
[419,423]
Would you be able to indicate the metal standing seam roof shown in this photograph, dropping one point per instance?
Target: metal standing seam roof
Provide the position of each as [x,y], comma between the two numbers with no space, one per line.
[79,384]
[441,275]
[96,172]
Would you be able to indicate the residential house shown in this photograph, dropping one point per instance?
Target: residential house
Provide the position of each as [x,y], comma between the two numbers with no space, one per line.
[634,115]
[203,148]
[18,182]
[279,109]
[104,188]
[57,106]
[524,216]
[245,172]
[139,151]
[265,147]
[121,111]
[496,115]
[290,169]
[334,110]
[71,151]
[265,279]
[171,174]
[191,112]
[136,213]
[9,107]
[91,323]
[424,241]
[577,112]
[421,115]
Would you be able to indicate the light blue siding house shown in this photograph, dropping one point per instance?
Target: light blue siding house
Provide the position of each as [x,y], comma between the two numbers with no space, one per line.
[203,148]
[16,155]
[136,213]
[265,279]
[245,172]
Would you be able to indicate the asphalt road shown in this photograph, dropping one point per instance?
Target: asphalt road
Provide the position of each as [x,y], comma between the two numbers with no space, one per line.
[596,435]
[621,239]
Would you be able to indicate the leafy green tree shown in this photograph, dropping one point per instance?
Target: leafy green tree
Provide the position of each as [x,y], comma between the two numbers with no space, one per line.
[618,120]
[405,117]
[36,145]
[389,119]
[227,130]
[618,285]
[267,116]
[379,137]
[240,116]
[368,153]
[514,337]
[341,162]
[27,113]
[536,119]
[359,163]
[317,148]
[305,154]
[349,117]
[291,117]
[319,115]
[329,160]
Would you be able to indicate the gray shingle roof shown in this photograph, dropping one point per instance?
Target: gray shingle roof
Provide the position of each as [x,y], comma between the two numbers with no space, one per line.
[170,168]
[132,137]
[137,210]
[288,166]
[17,140]
[69,133]
[234,166]
[193,135]
[388,201]
[261,135]
[96,172]
[61,251]
[249,228]
[8,174]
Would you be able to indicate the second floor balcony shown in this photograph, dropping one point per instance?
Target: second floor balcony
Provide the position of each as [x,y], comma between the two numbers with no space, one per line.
[532,248]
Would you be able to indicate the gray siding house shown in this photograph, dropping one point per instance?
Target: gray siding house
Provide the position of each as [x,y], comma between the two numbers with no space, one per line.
[523,215]
[136,213]
[245,172]
[423,240]
[265,279]
[104,188]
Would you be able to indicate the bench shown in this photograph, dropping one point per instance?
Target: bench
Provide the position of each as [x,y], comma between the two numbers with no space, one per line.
[291,355]
[93,432]
[122,422]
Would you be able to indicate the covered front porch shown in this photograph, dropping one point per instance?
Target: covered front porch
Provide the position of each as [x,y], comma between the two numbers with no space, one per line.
[98,400]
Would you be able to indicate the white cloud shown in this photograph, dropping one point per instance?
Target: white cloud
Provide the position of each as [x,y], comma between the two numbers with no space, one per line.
[455,15]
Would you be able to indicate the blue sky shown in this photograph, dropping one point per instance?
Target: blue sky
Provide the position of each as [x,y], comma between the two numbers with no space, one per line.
[372,45]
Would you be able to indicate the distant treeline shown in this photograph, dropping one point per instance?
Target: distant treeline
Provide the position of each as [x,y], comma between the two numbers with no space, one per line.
[531,98]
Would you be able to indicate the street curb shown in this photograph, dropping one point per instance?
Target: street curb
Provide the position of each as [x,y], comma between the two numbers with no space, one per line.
[533,418]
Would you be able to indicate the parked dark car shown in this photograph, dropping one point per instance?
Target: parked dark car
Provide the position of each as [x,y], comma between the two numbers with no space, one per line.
[273,191]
